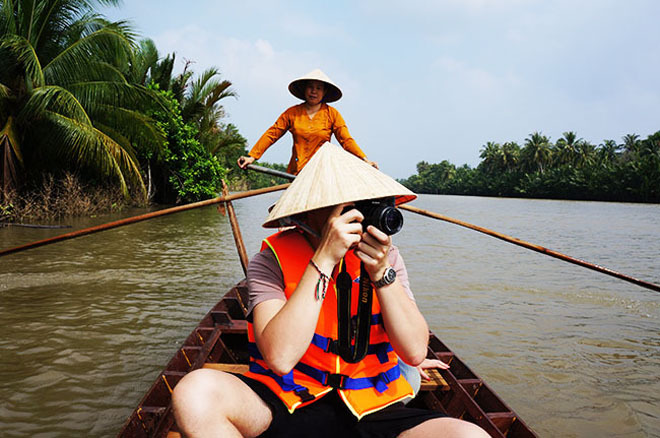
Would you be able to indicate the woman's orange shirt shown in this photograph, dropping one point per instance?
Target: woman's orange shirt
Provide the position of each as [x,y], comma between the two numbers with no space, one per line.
[308,134]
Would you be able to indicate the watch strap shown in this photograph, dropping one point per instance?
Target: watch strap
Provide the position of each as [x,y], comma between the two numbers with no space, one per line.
[388,278]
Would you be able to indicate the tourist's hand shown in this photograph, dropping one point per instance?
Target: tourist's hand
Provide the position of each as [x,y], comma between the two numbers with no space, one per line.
[244,161]
[430,363]
[340,233]
[373,250]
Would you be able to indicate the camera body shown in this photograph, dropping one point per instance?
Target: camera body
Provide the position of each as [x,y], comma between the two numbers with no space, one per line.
[381,213]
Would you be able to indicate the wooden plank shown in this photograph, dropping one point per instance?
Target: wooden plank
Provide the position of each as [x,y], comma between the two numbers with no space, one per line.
[436,382]
[238,368]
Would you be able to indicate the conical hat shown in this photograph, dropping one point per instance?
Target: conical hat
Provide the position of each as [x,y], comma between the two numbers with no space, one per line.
[332,91]
[334,176]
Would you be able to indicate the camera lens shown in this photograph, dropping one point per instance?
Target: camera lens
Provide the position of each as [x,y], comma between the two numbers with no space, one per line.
[390,220]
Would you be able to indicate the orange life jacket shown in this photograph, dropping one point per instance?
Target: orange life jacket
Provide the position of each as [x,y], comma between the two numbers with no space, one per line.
[367,386]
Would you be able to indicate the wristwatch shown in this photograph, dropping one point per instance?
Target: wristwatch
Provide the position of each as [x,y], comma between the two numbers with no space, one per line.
[388,278]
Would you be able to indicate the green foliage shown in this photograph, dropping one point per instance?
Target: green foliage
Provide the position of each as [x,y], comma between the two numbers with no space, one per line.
[185,170]
[65,102]
[570,169]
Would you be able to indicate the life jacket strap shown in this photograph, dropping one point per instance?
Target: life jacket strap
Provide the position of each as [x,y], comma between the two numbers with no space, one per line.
[341,381]
[286,382]
[329,345]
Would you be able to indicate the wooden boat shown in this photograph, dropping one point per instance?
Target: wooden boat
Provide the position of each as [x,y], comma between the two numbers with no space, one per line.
[220,342]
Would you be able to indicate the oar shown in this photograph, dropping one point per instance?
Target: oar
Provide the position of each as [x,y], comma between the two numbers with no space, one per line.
[134,219]
[501,236]
[272,172]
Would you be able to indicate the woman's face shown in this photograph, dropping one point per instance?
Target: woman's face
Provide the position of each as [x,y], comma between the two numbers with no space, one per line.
[314,92]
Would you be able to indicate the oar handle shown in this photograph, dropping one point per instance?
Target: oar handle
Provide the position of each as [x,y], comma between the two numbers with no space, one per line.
[270,171]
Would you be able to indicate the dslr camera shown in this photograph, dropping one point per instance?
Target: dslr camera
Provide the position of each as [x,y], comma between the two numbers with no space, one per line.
[381,213]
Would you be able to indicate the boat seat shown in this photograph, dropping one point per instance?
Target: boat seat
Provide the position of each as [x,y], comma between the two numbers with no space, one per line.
[436,382]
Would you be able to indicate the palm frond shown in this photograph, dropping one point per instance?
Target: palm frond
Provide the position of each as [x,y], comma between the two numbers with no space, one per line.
[5,91]
[105,44]
[24,54]
[94,93]
[8,133]
[7,18]
[143,60]
[133,124]
[88,146]
[54,99]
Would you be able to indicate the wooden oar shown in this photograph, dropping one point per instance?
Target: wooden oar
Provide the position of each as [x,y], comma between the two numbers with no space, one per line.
[143,217]
[501,236]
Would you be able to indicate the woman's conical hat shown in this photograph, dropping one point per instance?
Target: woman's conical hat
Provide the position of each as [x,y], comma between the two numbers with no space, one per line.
[332,91]
[334,176]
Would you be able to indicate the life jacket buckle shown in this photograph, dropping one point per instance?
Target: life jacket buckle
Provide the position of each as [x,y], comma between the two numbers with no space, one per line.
[336,381]
[331,347]
[304,395]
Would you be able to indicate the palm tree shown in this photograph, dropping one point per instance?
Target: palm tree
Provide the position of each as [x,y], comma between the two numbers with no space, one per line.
[510,155]
[536,152]
[566,148]
[493,159]
[608,151]
[65,101]
[200,100]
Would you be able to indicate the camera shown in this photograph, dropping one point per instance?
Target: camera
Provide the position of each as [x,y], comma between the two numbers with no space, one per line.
[381,213]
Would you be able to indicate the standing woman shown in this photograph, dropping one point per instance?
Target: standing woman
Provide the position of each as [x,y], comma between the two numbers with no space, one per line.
[311,123]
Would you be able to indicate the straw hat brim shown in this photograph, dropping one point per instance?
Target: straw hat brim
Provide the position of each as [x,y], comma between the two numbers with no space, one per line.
[332,177]
[332,91]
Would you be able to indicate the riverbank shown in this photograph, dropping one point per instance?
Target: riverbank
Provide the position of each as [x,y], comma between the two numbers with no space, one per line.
[56,199]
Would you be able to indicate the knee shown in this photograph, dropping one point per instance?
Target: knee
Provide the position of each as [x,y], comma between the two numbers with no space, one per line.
[194,391]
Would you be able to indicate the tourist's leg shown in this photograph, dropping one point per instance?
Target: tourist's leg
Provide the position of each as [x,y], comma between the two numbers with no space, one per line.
[210,403]
[445,427]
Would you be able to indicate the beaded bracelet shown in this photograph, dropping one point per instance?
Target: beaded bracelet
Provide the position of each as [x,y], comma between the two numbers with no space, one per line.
[322,284]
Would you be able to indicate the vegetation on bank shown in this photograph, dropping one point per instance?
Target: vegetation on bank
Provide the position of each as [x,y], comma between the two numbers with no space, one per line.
[570,168]
[80,95]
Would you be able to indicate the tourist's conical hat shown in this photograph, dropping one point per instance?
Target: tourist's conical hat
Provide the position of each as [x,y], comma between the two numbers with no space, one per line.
[332,91]
[334,176]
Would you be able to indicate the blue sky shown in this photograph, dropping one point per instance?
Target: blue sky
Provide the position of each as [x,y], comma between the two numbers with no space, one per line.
[427,80]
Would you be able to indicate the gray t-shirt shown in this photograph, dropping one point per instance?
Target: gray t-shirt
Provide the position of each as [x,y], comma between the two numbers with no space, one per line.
[266,282]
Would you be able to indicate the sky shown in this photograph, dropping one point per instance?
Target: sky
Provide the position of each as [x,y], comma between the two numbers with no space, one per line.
[426,80]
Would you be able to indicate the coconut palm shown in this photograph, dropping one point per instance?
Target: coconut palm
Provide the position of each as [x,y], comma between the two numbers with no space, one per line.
[566,148]
[608,151]
[65,101]
[536,152]
[492,157]
[510,155]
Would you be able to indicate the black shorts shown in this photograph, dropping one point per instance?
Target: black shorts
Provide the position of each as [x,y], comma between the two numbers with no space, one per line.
[329,417]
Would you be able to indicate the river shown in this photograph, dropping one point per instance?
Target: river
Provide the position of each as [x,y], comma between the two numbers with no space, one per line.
[87,324]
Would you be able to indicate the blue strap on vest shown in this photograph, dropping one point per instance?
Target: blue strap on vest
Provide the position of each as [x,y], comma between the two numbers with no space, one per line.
[341,381]
[329,345]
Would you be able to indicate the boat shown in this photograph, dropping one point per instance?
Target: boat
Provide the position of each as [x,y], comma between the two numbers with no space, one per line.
[220,342]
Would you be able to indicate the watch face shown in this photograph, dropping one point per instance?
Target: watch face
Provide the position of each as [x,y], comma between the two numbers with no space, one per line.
[390,274]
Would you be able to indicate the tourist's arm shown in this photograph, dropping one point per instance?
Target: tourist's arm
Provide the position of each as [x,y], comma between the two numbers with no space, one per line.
[404,323]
